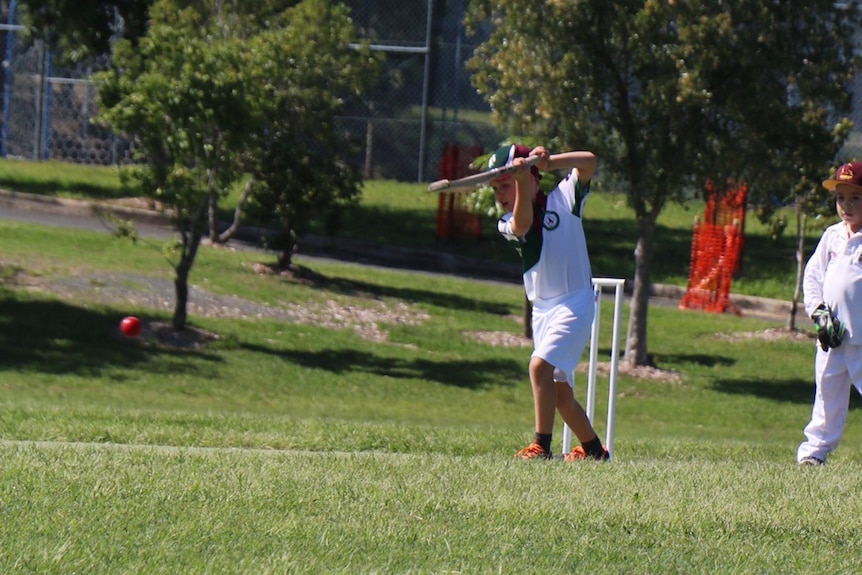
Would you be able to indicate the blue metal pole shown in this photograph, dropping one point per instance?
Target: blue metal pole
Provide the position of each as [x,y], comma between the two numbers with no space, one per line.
[7,78]
[458,63]
[425,81]
[46,101]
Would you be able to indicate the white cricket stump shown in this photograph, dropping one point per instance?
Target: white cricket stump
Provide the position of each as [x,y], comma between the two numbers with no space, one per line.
[599,284]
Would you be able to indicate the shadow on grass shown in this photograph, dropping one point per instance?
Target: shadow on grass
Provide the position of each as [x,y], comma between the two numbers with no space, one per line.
[58,187]
[465,374]
[702,359]
[352,287]
[417,229]
[57,338]
[612,244]
[794,390]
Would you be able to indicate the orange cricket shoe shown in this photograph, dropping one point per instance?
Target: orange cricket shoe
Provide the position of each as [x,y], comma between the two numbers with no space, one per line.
[578,454]
[533,451]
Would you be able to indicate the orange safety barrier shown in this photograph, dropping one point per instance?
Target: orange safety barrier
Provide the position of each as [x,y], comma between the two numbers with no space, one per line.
[725,207]
[454,217]
[716,249]
[455,161]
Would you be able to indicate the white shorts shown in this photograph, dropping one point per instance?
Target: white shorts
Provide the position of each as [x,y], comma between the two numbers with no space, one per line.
[561,330]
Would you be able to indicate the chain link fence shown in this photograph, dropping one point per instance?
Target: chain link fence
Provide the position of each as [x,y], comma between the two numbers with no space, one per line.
[46,111]
[419,104]
[422,104]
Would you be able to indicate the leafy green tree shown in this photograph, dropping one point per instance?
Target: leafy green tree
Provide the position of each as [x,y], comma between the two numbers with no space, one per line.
[301,160]
[671,94]
[83,28]
[221,91]
[181,96]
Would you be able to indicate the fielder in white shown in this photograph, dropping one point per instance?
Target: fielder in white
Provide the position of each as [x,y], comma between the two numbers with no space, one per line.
[549,235]
[832,287]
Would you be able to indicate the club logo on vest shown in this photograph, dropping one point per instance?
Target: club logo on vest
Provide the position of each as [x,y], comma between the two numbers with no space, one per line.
[550,221]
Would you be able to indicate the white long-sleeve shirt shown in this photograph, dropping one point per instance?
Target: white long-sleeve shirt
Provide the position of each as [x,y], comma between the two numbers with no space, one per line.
[833,276]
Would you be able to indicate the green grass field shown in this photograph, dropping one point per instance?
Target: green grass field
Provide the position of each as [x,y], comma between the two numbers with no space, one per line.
[353,423]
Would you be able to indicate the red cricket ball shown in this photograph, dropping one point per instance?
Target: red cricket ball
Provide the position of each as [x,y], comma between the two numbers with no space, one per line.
[130,326]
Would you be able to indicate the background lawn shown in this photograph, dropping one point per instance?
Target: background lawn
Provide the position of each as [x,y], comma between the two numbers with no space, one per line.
[404,215]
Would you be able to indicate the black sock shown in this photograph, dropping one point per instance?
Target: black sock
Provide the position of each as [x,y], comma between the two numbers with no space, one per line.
[544,439]
[594,447]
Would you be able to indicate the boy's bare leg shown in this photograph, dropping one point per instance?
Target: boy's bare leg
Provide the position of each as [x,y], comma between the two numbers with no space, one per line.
[572,413]
[544,394]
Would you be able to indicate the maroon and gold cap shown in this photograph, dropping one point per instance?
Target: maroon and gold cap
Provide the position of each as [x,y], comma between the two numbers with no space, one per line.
[505,155]
[849,173]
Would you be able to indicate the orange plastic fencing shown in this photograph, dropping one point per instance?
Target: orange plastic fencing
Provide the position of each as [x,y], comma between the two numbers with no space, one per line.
[716,249]
[454,218]
[723,207]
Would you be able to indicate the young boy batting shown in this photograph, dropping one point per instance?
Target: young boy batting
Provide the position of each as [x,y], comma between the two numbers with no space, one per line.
[549,235]
[832,288]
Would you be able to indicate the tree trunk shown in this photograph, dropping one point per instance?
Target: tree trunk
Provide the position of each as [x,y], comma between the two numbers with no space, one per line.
[191,242]
[212,218]
[181,289]
[369,145]
[288,245]
[636,339]
[528,318]
[801,219]
[237,213]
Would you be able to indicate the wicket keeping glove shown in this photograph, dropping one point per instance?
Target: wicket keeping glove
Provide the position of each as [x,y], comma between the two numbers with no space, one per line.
[830,331]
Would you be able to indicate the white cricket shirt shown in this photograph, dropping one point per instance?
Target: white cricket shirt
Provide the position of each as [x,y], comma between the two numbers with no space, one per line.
[833,275]
[554,250]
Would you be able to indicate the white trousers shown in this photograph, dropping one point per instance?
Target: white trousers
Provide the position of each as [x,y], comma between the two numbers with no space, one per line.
[835,372]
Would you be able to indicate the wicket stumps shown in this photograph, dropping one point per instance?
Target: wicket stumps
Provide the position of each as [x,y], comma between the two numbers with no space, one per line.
[598,286]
